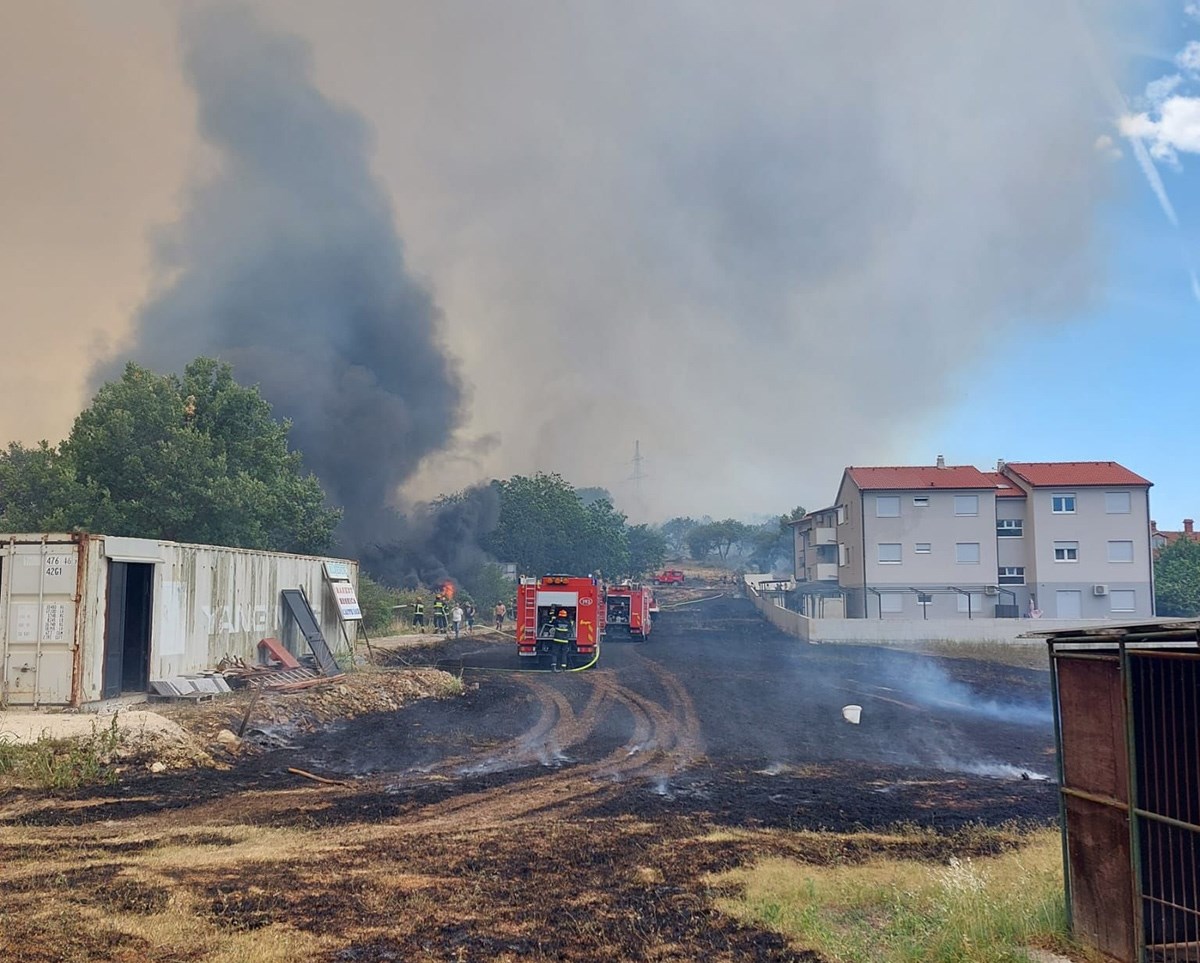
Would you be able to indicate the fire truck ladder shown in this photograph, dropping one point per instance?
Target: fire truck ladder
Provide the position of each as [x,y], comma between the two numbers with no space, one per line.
[529,626]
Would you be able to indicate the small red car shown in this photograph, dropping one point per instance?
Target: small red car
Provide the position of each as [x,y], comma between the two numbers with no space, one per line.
[671,576]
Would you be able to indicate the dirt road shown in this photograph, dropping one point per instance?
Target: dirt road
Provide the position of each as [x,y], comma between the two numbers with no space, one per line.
[562,816]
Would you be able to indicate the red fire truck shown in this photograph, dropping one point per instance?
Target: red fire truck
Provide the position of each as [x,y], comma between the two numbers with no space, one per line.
[539,600]
[631,610]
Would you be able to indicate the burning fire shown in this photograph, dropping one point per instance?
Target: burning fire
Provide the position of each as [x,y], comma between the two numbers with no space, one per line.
[448,590]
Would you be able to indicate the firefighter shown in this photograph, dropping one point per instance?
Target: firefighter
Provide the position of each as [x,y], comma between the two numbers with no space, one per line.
[439,614]
[562,640]
[418,621]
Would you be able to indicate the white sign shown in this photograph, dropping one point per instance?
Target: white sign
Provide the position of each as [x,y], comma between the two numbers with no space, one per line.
[347,601]
[26,617]
[337,571]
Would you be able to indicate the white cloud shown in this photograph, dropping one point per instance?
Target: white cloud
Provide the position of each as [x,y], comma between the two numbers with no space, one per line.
[1177,128]
[1192,10]
[1195,285]
[1189,57]
[1159,90]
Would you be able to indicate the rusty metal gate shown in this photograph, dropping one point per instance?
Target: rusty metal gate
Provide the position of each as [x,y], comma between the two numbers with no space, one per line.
[1127,721]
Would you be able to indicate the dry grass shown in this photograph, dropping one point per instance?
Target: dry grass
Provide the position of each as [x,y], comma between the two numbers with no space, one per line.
[966,910]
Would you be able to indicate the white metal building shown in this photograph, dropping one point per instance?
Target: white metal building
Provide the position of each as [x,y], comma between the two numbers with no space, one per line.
[85,618]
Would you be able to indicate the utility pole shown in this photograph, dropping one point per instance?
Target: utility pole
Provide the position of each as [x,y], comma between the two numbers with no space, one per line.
[637,469]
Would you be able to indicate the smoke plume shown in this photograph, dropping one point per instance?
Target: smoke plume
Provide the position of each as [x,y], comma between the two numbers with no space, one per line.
[286,263]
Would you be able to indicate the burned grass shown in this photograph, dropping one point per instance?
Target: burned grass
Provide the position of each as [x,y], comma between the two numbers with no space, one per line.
[586,818]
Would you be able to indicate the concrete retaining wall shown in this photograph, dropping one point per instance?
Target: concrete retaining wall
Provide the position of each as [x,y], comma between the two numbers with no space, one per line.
[906,630]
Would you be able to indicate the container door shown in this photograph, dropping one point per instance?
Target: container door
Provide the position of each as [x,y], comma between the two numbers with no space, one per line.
[127,628]
[37,591]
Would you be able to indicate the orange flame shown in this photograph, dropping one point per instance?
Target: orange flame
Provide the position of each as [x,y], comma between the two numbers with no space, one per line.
[448,590]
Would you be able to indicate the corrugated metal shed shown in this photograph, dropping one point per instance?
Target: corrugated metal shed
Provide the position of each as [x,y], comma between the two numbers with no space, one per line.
[90,617]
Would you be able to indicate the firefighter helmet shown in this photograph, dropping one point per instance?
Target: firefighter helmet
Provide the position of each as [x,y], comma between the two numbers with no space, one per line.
[562,613]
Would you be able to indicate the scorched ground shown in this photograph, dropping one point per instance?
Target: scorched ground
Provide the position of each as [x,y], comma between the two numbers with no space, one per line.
[536,816]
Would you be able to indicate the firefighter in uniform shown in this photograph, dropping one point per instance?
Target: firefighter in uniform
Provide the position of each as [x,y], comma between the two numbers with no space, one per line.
[418,620]
[562,640]
[439,614]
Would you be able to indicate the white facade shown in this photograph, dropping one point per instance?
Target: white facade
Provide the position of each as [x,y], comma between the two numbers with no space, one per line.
[1064,540]
[84,618]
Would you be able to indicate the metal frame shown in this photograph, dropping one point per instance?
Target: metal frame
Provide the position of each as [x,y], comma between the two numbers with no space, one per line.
[1158,667]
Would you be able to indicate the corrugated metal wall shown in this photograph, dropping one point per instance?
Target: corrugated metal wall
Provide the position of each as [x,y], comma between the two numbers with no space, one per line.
[208,602]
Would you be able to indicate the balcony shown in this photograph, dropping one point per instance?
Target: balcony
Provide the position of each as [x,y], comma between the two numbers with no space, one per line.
[821,572]
[822,536]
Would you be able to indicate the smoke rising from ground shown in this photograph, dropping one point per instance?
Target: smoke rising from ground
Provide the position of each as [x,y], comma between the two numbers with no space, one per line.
[287,264]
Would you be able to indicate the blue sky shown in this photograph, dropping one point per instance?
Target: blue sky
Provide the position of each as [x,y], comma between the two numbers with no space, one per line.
[1117,381]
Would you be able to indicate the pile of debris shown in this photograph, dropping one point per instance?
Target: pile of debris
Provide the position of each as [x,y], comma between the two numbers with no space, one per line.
[282,671]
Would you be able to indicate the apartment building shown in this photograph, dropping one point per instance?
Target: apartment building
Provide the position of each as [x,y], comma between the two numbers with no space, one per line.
[1065,540]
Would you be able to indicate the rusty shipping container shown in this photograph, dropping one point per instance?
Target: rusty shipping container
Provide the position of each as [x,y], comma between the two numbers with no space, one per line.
[85,618]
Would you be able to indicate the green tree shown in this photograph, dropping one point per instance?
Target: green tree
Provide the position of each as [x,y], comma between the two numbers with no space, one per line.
[1177,579]
[38,491]
[197,459]
[647,550]
[719,537]
[544,527]
[540,519]
[676,533]
[486,586]
[589,495]
[604,547]
[771,542]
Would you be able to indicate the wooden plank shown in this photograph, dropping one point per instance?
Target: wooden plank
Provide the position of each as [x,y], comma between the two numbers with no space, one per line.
[275,649]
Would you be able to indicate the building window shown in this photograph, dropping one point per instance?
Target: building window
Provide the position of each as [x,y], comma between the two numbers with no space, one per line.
[1010,527]
[1116,503]
[1063,503]
[967,553]
[974,601]
[966,504]
[1011,575]
[889,553]
[887,506]
[841,514]
[1120,551]
[1066,551]
[891,602]
[843,555]
[1122,600]
[921,501]
[923,548]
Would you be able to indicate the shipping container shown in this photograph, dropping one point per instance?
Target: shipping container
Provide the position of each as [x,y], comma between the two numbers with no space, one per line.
[87,618]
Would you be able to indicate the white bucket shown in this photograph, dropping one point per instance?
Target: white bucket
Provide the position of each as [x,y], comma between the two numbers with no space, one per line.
[852,713]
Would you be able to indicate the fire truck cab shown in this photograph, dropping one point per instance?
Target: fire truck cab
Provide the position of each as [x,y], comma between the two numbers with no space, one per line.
[630,610]
[539,600]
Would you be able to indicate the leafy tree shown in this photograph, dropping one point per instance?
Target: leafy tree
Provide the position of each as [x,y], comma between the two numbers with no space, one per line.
[486,586]
[771,542]
[719,537]
[540,520]
[38,491]
[1177,579]
[604,547]
[197,459]
[676,533]
[377,603]
[589,495]
[647,550]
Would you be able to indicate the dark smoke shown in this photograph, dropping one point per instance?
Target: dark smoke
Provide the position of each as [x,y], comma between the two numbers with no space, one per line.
[286,263]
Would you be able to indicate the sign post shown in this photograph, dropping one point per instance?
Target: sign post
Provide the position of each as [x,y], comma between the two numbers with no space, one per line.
[338,576]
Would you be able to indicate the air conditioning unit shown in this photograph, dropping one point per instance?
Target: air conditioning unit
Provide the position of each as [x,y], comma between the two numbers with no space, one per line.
[1099,589]
[991,590]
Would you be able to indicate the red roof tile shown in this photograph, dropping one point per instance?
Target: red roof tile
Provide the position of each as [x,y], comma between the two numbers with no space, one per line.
[1044,474]
[905,478]
[1004,486]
